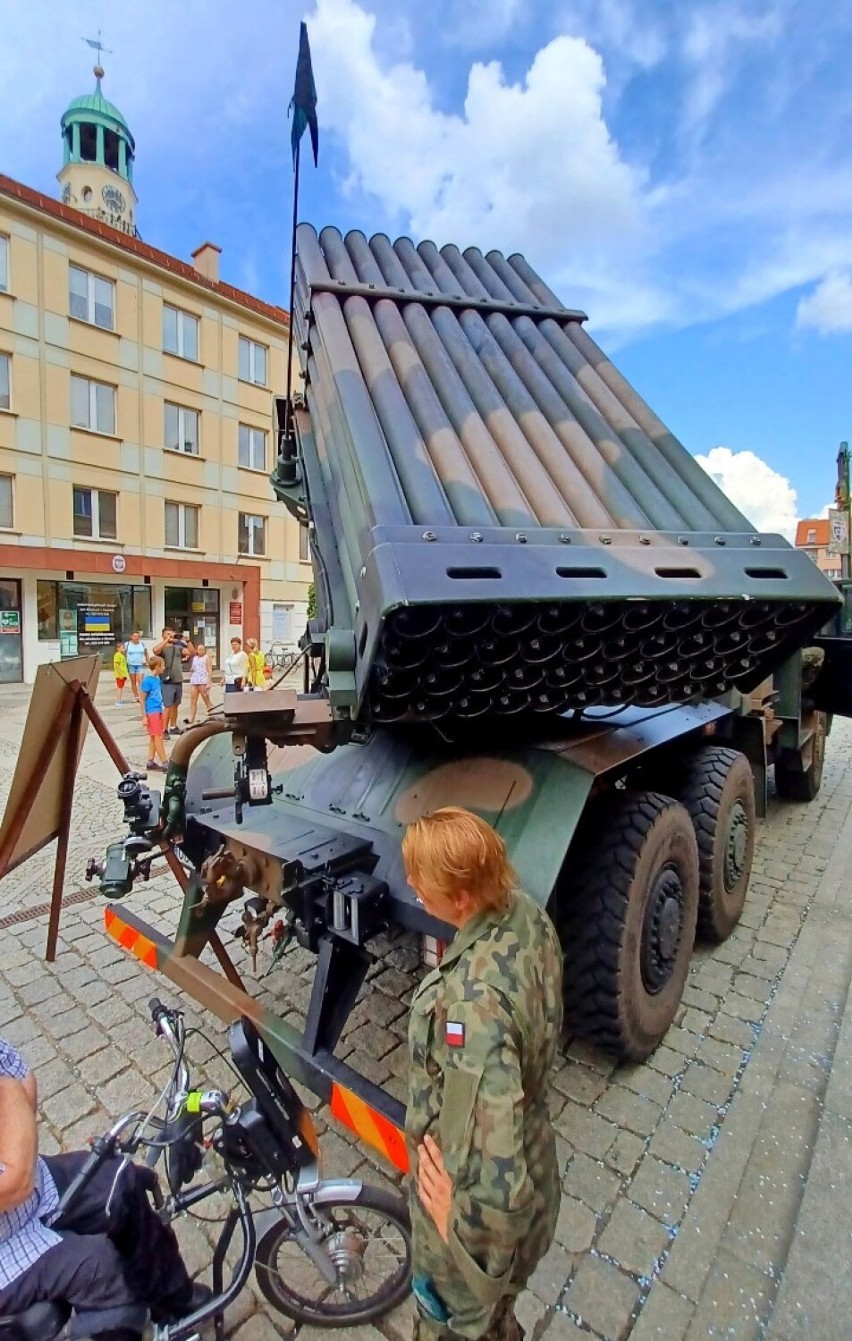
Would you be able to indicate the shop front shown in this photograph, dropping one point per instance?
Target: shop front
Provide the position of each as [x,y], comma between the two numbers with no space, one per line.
[11,631]
[195,609]
[91,616]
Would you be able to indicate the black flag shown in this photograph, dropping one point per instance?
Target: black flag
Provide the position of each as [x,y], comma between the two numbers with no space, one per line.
[304,100]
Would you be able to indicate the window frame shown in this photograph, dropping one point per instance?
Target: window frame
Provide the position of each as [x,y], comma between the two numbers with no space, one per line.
[6,258]
[243,519]
[182,508]
[10,526]
[304,544]
[95,503]
[251,430]
[6,358]
[92,400]
[253,346]
[182,412]
[182,316]
[92,279]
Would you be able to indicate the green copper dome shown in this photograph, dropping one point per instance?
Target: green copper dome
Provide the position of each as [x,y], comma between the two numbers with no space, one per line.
[94,130]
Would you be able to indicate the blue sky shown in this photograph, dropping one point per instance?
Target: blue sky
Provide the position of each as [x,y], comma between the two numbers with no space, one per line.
[679,168]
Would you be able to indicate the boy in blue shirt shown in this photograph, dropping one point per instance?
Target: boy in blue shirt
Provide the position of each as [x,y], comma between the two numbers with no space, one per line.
[151,692]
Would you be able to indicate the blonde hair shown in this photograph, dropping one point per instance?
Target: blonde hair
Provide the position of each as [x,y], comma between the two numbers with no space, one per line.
[452,851]
[156,664]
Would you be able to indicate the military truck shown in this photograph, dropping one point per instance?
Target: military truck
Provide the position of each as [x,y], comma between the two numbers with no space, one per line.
[531,601]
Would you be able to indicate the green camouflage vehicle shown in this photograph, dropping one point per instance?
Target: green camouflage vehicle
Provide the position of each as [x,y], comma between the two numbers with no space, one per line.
[531,601]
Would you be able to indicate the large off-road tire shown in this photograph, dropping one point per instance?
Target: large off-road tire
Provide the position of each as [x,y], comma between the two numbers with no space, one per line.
[369,1243]
[798,778]
[628,922]
[717,788]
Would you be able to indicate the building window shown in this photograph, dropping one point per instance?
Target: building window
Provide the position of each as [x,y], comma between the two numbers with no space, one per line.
[95,514]
[180,333]
[181,429]
[92,405]
[5,382]
[181,526]
[252,361]
[252,447]
[7,512]
[811,540]
[4,263]
[252,534]
[91,298]
[304,547]
[91,618]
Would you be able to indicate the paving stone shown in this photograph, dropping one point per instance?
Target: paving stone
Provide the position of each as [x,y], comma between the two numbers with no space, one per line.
[646,1081]
[576,1226]
[693,1115]
[580,1083]
[548,1280]
[559,1328]
[696,1021]
[529,1310]
[730,1030]
[701,1000]
[661,1190]
[591,1182]
[629,1110]
[625,1152]
[706,1083]
[635,1239]
[744,1008]
[68,1105]
[667,1060]
[675,1146]
[725,1057]
[734,1300]
[585,1131]
[682,1041]
[579,1050]
[603,1298]
[665,1316]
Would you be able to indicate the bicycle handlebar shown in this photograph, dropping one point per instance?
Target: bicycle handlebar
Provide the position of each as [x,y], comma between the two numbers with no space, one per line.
[103,1148]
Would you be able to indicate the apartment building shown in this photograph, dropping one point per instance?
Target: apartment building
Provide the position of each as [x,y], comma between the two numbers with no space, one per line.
[814,536]
[135,425]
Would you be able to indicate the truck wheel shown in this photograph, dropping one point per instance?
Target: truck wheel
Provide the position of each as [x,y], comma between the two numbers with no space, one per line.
[629,926]
[799,778]
[718,792]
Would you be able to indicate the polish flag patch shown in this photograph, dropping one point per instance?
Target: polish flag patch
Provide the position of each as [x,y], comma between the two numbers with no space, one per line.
[455,1034]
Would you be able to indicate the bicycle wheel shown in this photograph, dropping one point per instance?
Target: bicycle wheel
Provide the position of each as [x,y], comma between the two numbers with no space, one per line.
[369,1242]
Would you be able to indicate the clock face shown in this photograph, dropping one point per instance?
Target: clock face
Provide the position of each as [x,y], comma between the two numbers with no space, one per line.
[113,199]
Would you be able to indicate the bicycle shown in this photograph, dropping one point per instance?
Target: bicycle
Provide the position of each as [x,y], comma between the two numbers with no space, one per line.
[340,1230]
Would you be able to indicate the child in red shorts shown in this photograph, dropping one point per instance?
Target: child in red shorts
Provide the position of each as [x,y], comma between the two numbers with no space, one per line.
[151,692]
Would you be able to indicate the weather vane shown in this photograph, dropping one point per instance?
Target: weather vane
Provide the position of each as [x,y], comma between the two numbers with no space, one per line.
[97,45]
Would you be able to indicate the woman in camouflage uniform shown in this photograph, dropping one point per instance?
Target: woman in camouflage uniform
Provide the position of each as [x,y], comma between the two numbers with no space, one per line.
[483,1035]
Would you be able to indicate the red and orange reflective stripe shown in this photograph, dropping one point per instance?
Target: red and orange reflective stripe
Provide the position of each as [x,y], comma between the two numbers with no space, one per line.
[369,1124]
[130,939]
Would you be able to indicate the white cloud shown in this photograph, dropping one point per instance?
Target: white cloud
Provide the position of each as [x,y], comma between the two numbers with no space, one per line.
[716,36]
[527,165]
[764,496]
[829,308]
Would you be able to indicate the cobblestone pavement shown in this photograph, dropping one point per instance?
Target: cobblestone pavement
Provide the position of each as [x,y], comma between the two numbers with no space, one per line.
[682,1178]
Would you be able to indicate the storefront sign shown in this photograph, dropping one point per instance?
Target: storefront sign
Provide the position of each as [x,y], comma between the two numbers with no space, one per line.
[10,621]
[236,612]
[94,626]
[119,563]
[198,607]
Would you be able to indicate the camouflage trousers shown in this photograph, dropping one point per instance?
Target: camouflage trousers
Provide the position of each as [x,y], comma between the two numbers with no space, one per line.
[504,1326]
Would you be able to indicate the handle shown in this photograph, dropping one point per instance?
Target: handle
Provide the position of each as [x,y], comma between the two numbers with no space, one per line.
[102,1149]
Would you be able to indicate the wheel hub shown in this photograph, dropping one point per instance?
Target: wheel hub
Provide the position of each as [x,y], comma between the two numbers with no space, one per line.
[735,847]
[346,1250]
[662,929]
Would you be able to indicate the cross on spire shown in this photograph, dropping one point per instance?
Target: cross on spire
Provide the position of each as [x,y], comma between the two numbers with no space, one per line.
[97,45]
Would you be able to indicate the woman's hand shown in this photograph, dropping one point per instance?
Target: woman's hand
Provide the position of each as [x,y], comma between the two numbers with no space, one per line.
[434,1185]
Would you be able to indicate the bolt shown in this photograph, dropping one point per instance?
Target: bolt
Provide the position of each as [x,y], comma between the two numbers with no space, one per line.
[683,540]
[605,539]
[476,537]
[520,537]
[754,540]
[719,540]
[430,535]
[644,540]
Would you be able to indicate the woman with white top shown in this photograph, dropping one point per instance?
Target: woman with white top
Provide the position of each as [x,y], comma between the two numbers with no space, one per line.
[200,677]
[236,667]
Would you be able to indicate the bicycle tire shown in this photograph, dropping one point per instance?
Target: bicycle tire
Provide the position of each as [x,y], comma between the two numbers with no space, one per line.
[343,1218]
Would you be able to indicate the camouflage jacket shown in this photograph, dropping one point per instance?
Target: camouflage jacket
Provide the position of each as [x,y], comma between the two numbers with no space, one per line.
[483,1033]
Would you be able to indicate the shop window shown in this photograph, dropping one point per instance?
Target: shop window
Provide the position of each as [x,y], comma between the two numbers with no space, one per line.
[47,606]
[7,511]
[181,429]
[5,382]
[95,514]
[252,450]
[180,333]
[304,546]
[4,263]
[251,537]
[91,298]
[181,526]
[252,360]
[92,405]
[92,617]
